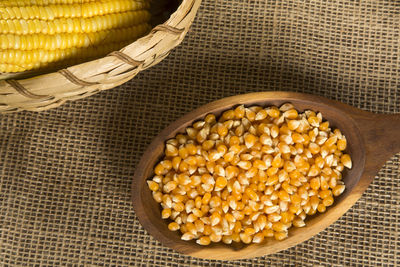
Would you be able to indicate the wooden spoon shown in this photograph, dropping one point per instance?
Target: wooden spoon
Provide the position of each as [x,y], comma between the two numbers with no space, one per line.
[372,139]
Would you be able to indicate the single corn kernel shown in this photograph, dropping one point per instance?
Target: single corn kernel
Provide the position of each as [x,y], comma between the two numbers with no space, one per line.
[314,148]
[313,121]
[208,144]
[314,171]
[321,208]
[178,207]
[274,131]
[314,201]
[197,212]
[222,130]
[290,114]
[324,183]
[191,228]
[273,112]
[342,144]
[283,195]
[324,126]
[239,112]
[210,118]
[245,238]
[166,213]
[280,235]
[338,190]
[235,140]
[261,115]
[235,237]
[207,229]
[215,237]
[215,218]
[251,194]
[249,231]
[325,193]
[250,115]
[205,209]
[346,160]
[183,152]
[220,183]
[328,201]
[222,149]
[277,162]
[171,150]
[258,238]
[244,164]
[250,140]
[315,183]
[297,138]
[204,240]
[160,170]
[173,226]
[228,115]
[227,239]
[298,222]
[294,208]
[157,196]
[187,236]
[272,171]
[183,167]
[191,160]
[215,202]
[176,161]
[153,186]
[268,232]
[214,155]
[168,187]
[274,217]
[331,141]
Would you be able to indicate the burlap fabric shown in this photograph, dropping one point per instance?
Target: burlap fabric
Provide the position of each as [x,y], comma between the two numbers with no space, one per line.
[65,174]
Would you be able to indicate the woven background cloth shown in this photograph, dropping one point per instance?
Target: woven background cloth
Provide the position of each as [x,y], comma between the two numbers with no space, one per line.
[65,174]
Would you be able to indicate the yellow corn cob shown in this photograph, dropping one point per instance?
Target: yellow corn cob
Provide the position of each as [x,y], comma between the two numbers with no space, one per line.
[44,33]
[18,56]
[68,40]
[56,57]
[78,25]
[19,3]
[11,68]
[17,60]
[79,10]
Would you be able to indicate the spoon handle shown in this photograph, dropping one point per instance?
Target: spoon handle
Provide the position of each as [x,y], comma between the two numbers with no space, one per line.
[381,133]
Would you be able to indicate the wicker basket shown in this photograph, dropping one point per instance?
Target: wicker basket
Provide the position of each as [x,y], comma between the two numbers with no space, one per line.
[51,90]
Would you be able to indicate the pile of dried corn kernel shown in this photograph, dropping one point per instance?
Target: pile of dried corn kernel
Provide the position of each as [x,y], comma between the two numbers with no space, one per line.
[250,175]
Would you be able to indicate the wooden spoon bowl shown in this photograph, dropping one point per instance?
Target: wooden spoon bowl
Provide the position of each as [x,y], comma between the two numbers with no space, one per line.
[372,139]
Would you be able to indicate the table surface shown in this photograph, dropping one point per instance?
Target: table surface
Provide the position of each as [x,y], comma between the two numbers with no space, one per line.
[65,174]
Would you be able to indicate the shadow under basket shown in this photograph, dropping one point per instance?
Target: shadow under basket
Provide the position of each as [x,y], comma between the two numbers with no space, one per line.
[37,91]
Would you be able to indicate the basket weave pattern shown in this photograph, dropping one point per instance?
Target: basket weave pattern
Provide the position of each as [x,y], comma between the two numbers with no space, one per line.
[83,80]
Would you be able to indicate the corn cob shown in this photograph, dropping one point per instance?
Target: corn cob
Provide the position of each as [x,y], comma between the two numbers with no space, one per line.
[67,40]
[41,33]
[55,58]
[19,56]
[78,25]
[20,3]
[79,10]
